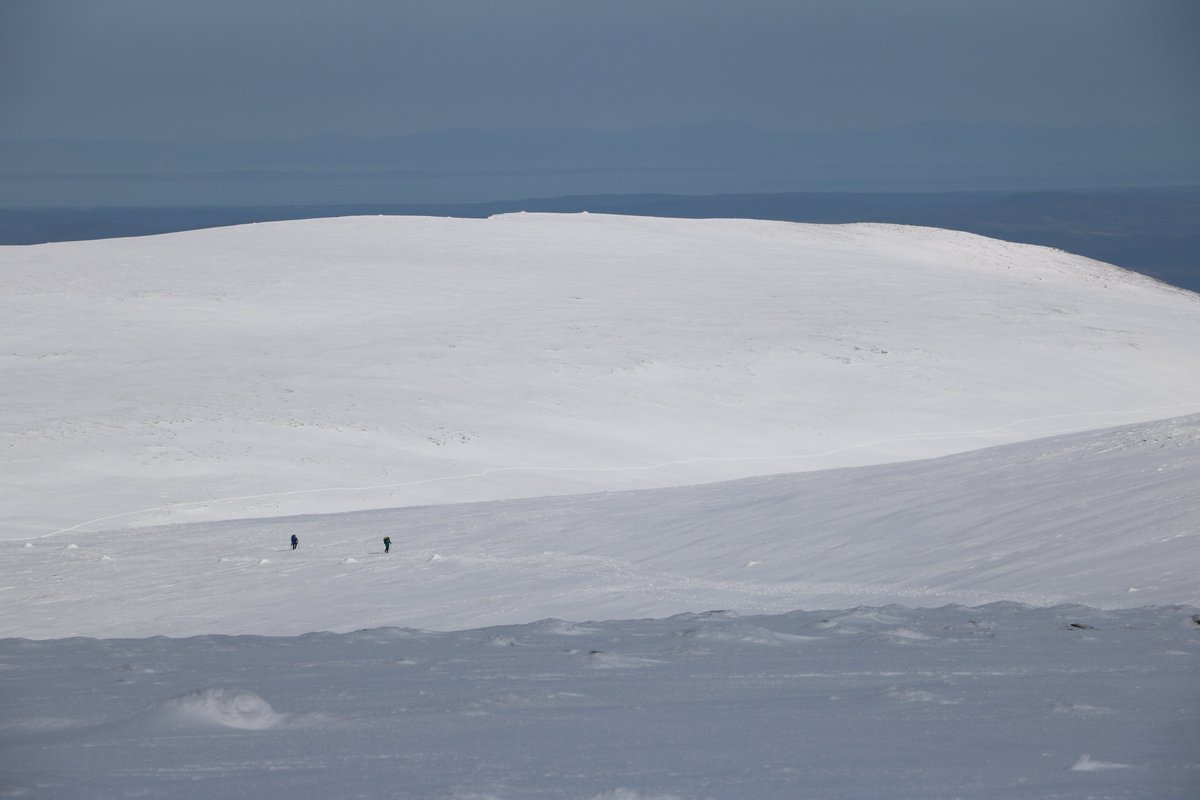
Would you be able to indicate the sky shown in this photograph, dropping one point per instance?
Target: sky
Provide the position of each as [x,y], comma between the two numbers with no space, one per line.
[147,69]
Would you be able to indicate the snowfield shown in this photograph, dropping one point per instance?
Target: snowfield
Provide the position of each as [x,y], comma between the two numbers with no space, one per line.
[1107,518]
[341,364]
[680,510]
[997,702]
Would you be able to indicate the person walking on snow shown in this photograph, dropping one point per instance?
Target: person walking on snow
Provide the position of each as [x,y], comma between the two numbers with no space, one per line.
[295,541]
[387,544]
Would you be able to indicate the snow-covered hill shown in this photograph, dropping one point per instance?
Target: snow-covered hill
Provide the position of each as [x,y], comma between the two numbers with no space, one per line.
[909,416]
[1108,518]
[338,365]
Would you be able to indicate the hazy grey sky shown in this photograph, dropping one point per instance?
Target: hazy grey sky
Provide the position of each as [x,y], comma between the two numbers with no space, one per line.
[258,68]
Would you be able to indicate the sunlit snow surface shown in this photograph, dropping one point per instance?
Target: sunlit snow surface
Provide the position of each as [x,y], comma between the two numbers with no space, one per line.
[915,417]
[1107,518]
[996,702]
[342,364]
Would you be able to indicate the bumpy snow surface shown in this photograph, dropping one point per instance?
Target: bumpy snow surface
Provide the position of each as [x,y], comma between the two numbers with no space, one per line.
[997,702]
[986,455]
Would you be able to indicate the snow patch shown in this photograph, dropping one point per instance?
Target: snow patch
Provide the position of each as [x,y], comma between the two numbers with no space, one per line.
[716,614]
[561,627]
[745,634]
[386,635]
[1088,764]
[903,635]
[599,659]
[502,641]
[912,695]
[225,708]
[1082,709]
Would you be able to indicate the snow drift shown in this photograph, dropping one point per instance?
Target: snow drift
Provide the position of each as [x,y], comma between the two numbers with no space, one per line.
[1107,518]
[213,708]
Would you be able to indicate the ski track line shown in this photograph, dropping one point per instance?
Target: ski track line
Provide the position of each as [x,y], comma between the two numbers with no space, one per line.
[646,468]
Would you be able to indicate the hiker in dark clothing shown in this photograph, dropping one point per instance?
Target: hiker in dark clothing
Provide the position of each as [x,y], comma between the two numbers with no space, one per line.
[387,544]
[295,541]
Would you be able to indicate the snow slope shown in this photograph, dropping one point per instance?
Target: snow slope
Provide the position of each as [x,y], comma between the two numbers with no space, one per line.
[1108,518]
[990,703]
[338,365]
[944,404]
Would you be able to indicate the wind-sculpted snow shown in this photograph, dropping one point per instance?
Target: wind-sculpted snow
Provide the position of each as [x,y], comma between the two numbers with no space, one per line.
[988,703]
[1109,518]
[227,708]
[339,365]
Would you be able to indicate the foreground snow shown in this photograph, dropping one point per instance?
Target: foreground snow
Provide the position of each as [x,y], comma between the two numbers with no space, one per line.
[988,703]
[337,365]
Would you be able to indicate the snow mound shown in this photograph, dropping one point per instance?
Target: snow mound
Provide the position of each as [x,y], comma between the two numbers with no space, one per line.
[903,635]
[226,708]
[1088,764]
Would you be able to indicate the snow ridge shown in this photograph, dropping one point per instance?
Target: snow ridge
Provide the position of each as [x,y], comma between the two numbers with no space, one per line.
[1108,518]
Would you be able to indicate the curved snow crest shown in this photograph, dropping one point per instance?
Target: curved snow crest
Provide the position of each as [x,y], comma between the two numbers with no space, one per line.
[221,708]
[385,362]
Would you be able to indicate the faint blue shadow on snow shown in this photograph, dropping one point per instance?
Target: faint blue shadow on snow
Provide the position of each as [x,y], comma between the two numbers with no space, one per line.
[212,709]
